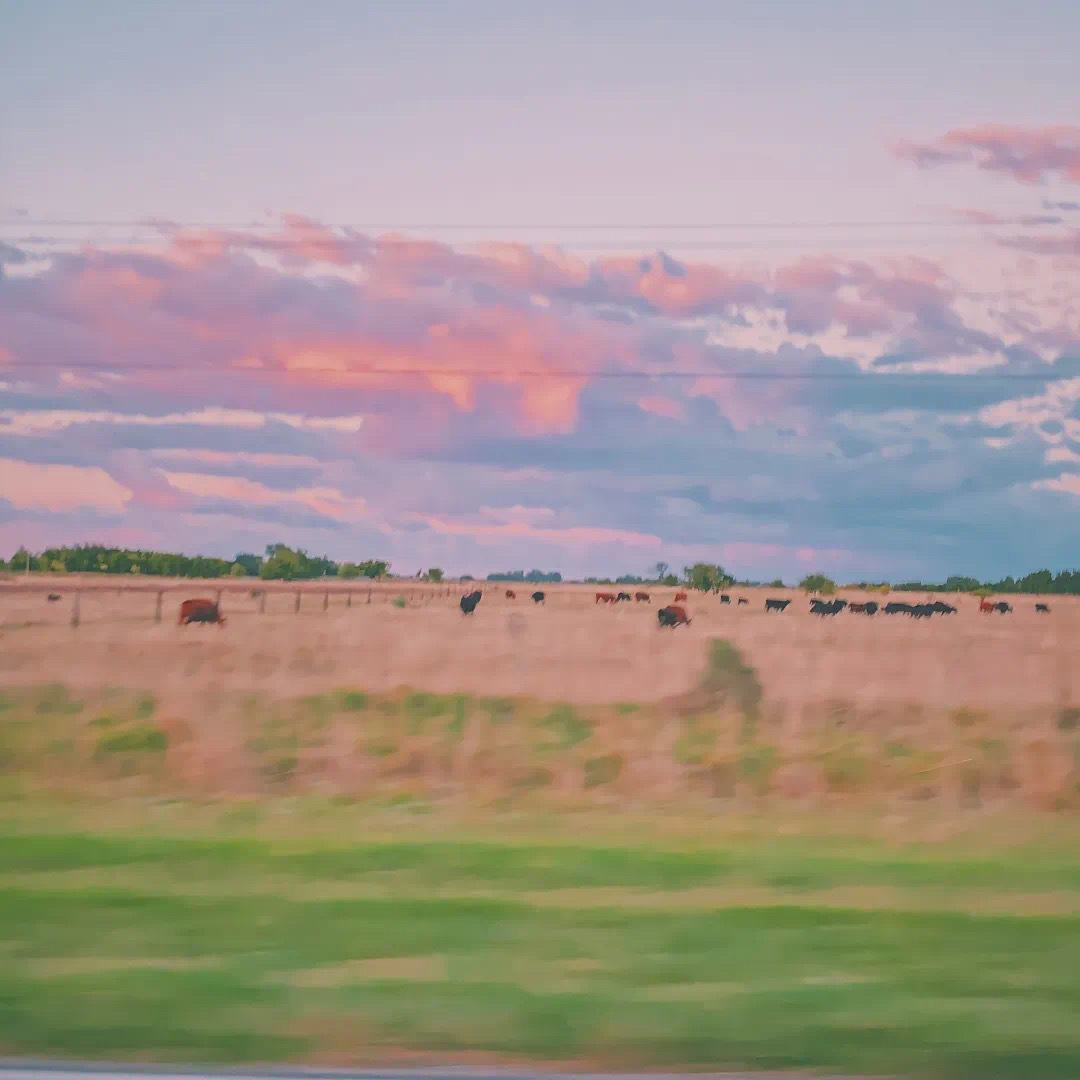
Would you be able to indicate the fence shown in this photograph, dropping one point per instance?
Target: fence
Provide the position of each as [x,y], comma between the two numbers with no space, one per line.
[260,593]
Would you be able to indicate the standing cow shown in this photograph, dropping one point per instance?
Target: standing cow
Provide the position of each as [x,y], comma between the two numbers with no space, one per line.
[672,616]
[200,611]
[537,597]
[642,597]
[469,601]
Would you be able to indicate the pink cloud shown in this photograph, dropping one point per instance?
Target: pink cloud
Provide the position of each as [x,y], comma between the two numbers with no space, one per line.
[32,486]
[482,529]
[1028,155]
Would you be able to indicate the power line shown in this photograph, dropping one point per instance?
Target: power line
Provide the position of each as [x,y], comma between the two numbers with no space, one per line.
[328,244]
[507,226]
[541,373]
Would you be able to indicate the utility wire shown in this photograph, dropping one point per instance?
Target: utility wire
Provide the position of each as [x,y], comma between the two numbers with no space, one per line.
[540,373]
[508,226]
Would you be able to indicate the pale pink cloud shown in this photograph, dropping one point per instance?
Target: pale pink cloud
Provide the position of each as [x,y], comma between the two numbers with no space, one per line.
[31,486]
[1028,155]
[574,536]
[326,501]
[1069,483]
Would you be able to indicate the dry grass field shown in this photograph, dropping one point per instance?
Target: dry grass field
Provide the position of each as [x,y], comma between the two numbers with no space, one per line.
[601,703]
[569,649]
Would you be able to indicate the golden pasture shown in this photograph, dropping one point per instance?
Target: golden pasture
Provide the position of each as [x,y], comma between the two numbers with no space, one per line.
[570,649]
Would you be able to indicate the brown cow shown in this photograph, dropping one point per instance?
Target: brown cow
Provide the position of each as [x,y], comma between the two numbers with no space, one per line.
[672,616]
[510,594]
[680,596]
[985,605]
[200,610]
[605,598]
[638,596]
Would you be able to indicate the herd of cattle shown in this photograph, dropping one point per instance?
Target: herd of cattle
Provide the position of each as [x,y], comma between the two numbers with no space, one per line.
[674,614]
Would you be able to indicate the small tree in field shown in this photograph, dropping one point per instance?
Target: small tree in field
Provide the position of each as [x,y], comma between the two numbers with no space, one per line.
[818,583]
[434,574]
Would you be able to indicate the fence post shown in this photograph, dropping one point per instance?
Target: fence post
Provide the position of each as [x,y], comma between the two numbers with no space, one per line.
[157,606]
[262,601]
[217,599]
[348,599]
[369,595]
[75,611]
[326,600]
[296,605]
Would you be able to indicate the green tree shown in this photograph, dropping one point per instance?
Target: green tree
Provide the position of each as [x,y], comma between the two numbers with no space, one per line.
[236,570]
[434,574]
[707,577]
[818,583]
[348,570]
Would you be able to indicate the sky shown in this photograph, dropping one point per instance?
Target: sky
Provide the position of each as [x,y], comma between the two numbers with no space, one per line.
[785,286]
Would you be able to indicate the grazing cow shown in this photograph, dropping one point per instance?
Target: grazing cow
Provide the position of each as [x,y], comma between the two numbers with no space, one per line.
[53,597]
[1003,608]
[941,608]
[680,596]
[868,608]
[604,598]
[672,616]
[724,598]
[510,594]
[537,597]
[621,597]
[639,596]
[985,607]
[776,605]
[200,610]
[827,607]
[1043,607]
[742,600]
[469,601]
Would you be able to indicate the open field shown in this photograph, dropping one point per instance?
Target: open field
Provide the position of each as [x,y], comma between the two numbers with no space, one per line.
[380,834]
[569,650]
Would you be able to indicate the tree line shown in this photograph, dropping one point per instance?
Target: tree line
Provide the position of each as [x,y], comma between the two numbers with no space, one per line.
[279,562]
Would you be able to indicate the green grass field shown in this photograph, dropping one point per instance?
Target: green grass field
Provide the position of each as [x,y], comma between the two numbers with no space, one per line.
[390,879]
[309,931]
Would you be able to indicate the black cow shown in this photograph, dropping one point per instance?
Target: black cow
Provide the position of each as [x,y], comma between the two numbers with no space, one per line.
[537,597]
[469,601]
[742,600]
[941,608]
[830,607]
[623,596]
[53,597]
[868,608]
[1003,608]
[921,611]
[896,607]
[672,616]
[724,598]
[1043,607]
[776,605]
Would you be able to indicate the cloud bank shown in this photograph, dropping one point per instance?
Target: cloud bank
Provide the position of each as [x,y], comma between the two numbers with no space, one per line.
[504,405]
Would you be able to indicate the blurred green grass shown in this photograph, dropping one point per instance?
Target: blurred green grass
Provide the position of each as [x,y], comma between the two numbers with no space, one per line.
[219,945]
